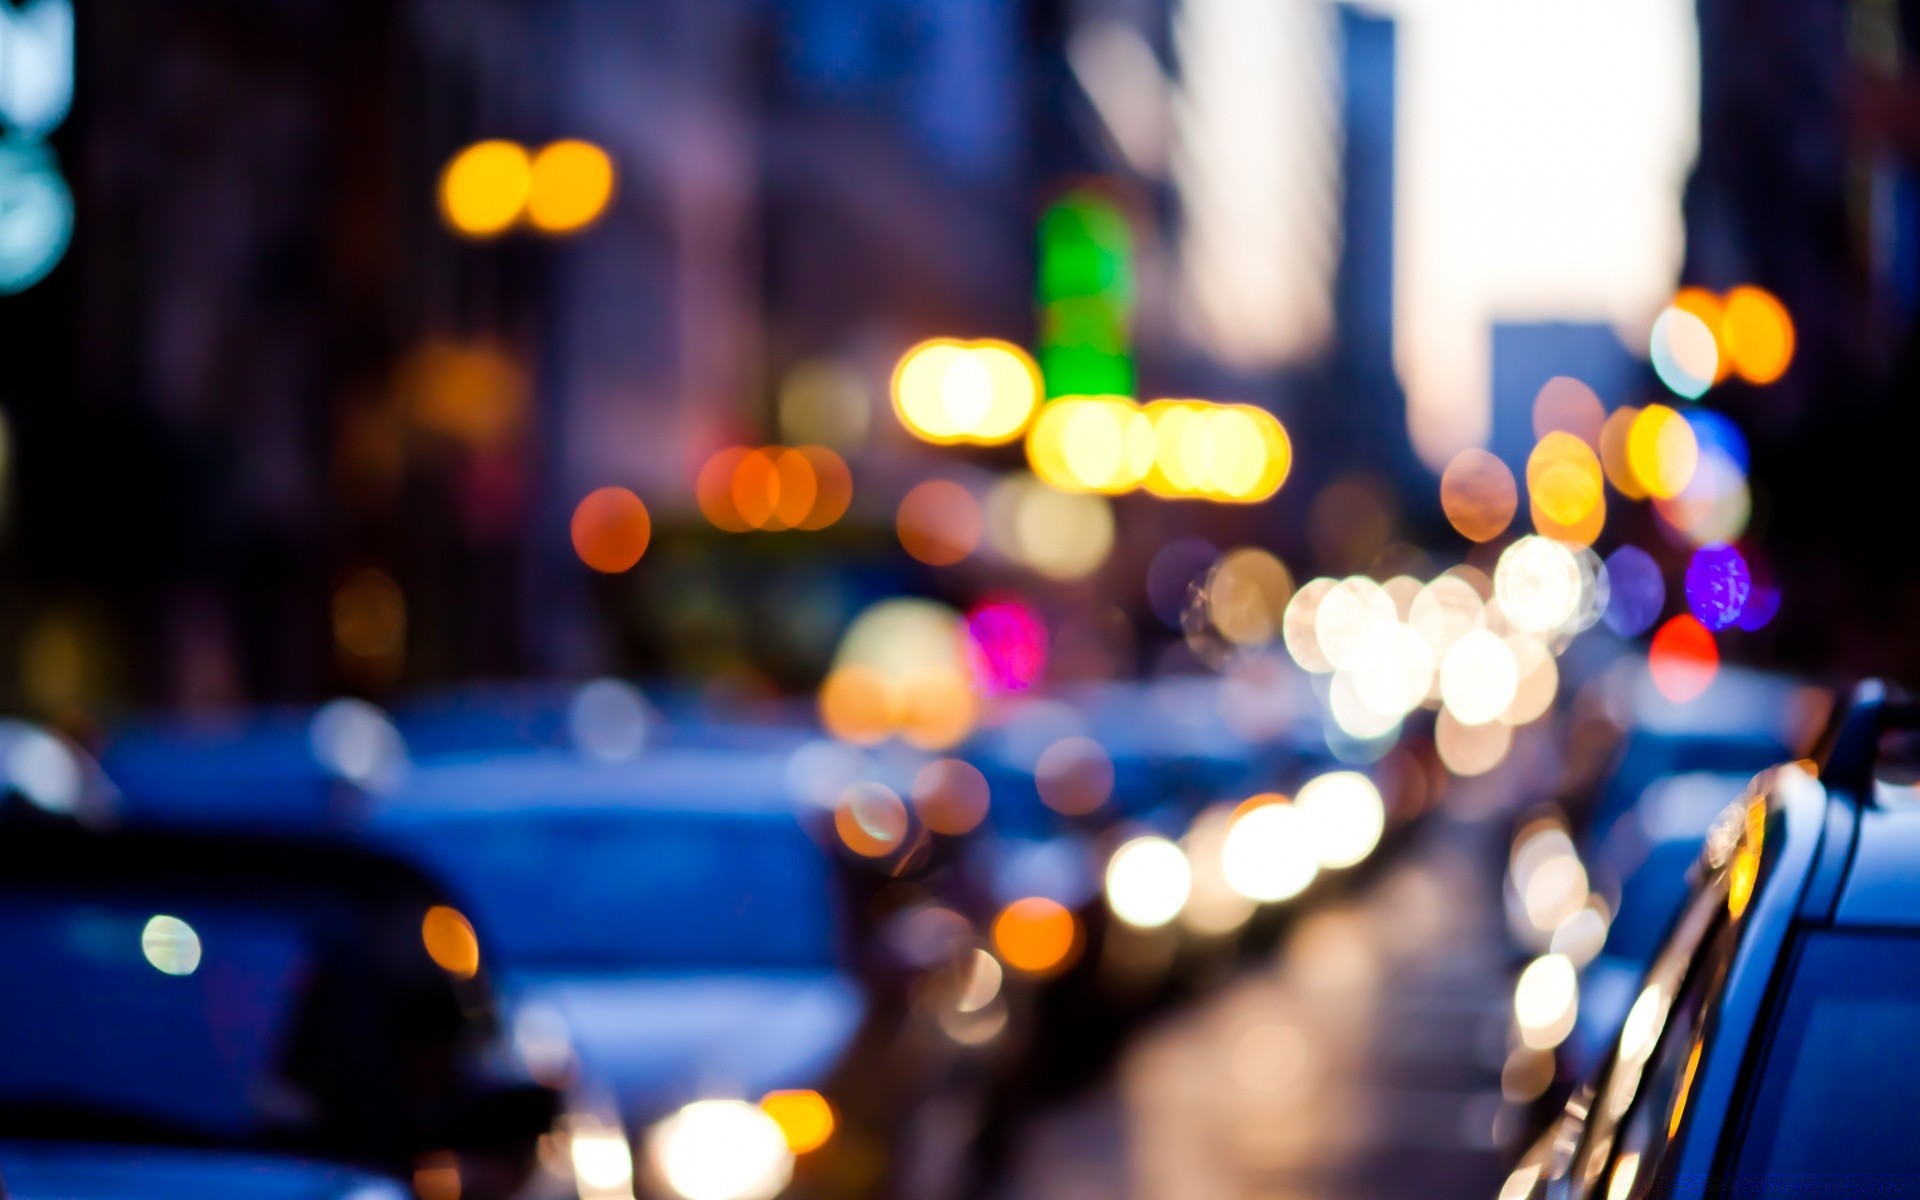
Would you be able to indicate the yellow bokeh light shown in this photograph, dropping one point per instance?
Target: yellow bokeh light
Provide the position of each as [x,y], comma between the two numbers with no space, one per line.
[484,188]
[1478,494]
[1234,453]
[1613,453]
[948,392]
[450,941]
[1564,478]
[1092,444]
[805,1118]
[1757,335]
[571,185]
[1662,451]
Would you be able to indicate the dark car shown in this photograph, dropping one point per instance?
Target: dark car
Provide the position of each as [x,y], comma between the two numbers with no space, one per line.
[215,1015]
[1766,1051]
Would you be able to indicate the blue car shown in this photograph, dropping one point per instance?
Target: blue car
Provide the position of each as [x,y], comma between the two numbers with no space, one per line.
[1765,1053]
[216,1016]
[672,928]
[1631,845]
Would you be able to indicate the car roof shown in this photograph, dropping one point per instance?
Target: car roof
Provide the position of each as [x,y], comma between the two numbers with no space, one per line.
[57,854]
[676,780]
[1882,886]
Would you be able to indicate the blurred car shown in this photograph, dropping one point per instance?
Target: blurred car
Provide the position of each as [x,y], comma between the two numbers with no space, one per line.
[1598,878]
[1765,1049]
[246,1016]
[675,947]
[680,935]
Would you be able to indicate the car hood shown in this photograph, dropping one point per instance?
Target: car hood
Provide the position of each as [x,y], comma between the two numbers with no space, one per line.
[87,1171]
[654,1042]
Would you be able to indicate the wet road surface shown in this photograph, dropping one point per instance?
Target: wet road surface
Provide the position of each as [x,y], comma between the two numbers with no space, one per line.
[1361,1060]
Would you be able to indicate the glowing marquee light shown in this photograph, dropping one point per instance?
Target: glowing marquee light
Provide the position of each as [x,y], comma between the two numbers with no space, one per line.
[951,392]
[1191,449]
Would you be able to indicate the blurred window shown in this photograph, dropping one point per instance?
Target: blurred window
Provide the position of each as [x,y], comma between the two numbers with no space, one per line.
[287,1017]
[93,1023]
[1835,1105]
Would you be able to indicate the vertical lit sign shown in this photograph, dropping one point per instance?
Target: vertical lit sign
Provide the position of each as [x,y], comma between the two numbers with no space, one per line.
[36,93]
[1085,294]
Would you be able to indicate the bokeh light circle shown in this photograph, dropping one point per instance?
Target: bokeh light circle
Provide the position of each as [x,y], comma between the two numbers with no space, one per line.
[1685,353]
[1683,659]
[951,796]
[871,819]
[1478,495]
[1662,451]
[1035,935]
[1006,646]
[571,185]
[610,530]
[1538,584]
[1345,816]
[1638,592]
[939,522]
[1479,678]
[1717,585]
[484,188]
[1758,335]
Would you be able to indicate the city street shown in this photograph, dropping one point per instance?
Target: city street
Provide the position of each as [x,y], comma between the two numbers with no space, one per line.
[958,599]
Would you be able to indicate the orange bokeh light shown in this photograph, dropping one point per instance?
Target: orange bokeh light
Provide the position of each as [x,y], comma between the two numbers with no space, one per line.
[805,1118]
[1756,335]
[951,796]
[774,488]
[571,185]
[1259,800]
[832,487]
[450,941]
[935,710]
[1479,496]
[939,522]
[1712,312]
[611,530]
[870,819]
[1683,659]
[1036,935]
[856,705]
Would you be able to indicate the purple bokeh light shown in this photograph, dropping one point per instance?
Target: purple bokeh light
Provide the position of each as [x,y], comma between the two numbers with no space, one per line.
[1179,565]
[1718,584]
[1637,592]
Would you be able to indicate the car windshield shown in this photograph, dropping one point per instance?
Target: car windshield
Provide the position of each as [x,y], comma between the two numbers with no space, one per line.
[195,1015]
[620,888]
[1834,1110]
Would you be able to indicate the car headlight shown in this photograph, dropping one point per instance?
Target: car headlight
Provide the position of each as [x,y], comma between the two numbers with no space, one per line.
[721,1150]
[602,1160]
